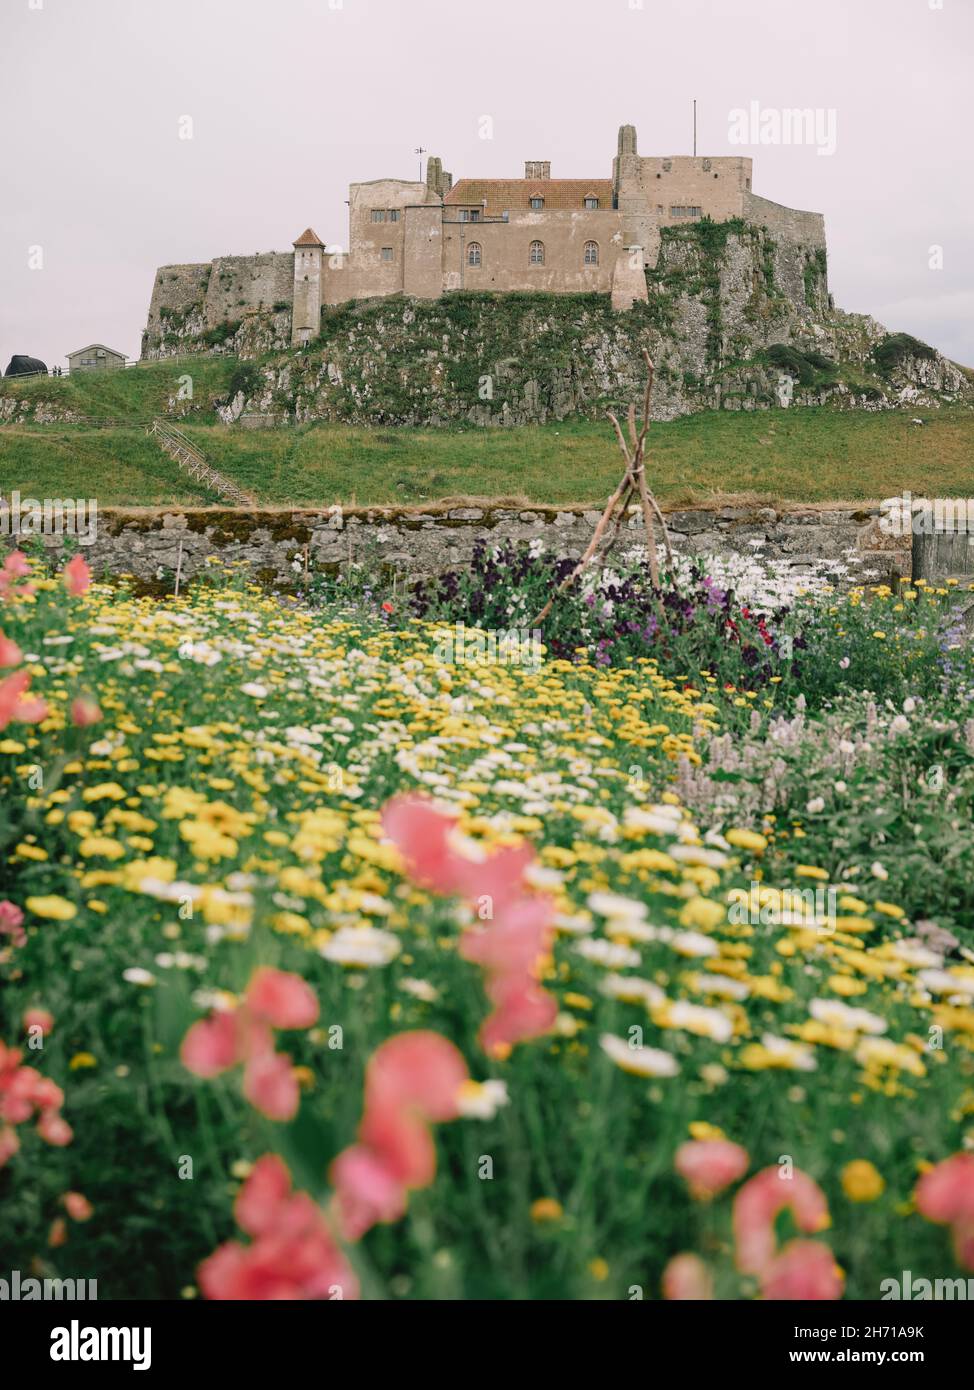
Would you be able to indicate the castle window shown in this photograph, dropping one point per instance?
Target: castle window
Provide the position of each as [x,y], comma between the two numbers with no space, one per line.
[591,253]
[475,214]
[387,253]
[506,216]
[474,253]
[393,214]
[591,202]
[537,202]
[378,214]
[536,256]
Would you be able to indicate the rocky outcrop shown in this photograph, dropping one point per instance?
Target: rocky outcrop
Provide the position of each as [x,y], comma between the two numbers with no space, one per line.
[734,320]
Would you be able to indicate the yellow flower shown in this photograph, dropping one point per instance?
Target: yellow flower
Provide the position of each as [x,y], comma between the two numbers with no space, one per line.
[810,871]
[747,839]
[862,1181]
[82,1059]
[31,852]
[546,1210]
[52,906]
[889,909]
[599,1269]
[702,913]
[700,1129]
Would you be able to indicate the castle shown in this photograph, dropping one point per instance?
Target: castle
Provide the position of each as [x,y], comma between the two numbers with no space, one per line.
[561,236]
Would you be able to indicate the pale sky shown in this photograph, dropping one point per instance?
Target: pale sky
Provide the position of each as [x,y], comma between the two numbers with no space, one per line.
[290,100]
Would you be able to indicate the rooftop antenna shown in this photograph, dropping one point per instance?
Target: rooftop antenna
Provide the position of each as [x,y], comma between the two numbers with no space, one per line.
[421,150]
[694,127]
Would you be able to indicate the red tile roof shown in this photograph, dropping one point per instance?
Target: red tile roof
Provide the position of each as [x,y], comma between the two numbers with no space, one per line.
[504,194]
[309,238]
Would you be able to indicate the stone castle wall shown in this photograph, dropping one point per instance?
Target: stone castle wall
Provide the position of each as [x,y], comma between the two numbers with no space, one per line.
[189,299]
[788,224]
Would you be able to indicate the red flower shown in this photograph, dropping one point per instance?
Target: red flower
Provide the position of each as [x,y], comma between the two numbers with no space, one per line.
[515,938]
[293,1253]
[77,575]
[412,1081]
[273,999]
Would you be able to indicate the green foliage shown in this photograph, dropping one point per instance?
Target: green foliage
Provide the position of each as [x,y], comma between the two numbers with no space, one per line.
[221,332]
[246,377]
[808,366]
[896,347]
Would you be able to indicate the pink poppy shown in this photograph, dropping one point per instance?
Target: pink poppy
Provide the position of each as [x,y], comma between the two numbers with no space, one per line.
[244,1035]
[293,1254]
[84,712]
[412,1081]
[262,1195]
[710,1165]
[757,1205]
[269,1084]
[14,567]
[804,1271]
[281,999]
[14,705]
[77,1206]
[38,1018]
[10,653]
[9,1144]
[211,1045]
[945,1194]
[11,922]
[367,1193]
[687,1279]
[77,575]
[512,944]
[54,1129]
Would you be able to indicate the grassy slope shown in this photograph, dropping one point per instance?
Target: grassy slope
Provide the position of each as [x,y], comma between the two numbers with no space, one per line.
[798,455]
[136,393]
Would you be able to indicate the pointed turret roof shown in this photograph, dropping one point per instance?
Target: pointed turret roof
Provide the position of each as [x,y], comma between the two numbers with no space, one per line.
[309,238]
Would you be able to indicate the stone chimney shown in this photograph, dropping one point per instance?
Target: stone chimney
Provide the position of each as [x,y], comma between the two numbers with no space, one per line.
[437,180]
[537,169]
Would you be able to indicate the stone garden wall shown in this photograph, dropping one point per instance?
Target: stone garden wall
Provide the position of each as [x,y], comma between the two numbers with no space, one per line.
[276,546]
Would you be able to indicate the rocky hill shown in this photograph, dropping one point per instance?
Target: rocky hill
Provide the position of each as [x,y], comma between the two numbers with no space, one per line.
[735,320]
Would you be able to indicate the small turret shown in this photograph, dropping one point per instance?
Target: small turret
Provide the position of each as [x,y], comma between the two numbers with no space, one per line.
[306,303]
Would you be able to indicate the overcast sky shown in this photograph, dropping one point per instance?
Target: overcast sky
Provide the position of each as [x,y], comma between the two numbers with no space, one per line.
[290,100]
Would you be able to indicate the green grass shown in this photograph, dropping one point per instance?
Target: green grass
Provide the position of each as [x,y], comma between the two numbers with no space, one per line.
[800,455]
[133,394]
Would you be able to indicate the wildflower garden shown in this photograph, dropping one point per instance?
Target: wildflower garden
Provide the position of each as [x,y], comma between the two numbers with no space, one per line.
[338,960]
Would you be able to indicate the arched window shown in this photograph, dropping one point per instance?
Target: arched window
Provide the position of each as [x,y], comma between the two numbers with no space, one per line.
[474,253]
[591,202]
[591,253]
[537,253]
